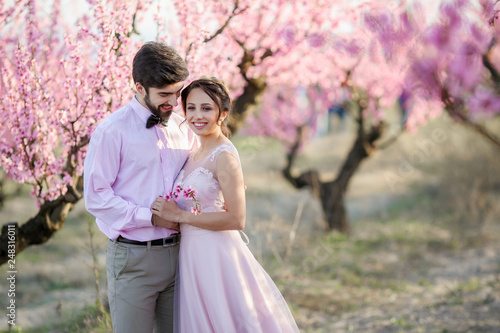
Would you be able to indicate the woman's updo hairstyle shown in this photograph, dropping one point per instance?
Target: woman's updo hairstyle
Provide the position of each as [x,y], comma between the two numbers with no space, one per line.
[217,90]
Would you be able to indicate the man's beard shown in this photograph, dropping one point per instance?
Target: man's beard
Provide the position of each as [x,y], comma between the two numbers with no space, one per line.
[156,110]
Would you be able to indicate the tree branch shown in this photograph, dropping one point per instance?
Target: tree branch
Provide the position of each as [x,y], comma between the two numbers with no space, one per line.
[308,178]
[494,73]
[235,12]
[455,111]
[495,76]
[388,142]
[290,158]
[252,91]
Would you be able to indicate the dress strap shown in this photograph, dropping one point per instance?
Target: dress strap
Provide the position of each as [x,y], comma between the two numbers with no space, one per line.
[229,147]
[246,237]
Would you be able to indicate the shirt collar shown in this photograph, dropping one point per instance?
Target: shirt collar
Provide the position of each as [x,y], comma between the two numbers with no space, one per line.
[141,111]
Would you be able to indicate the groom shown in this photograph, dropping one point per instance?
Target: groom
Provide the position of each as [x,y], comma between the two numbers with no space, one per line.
[134,157]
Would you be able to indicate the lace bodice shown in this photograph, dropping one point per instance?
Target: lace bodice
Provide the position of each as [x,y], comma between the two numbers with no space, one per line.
[201,176]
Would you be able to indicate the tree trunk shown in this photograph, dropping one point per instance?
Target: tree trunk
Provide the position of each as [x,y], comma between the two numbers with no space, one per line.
[254,88]
[247,102]
[332,193]
[2,193]
[333,204]
[40,228]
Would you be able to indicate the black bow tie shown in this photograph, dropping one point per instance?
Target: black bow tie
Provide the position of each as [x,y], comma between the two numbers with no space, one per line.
[155,120]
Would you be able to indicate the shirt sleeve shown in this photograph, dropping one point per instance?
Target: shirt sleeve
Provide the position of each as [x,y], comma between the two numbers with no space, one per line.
[101,168]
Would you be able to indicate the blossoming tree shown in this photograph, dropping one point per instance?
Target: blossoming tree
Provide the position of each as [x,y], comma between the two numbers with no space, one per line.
[60,78]
[457,67]
[423,59]
[366,77]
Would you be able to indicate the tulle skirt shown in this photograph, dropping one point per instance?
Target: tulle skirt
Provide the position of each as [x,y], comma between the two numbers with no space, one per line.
[222,288]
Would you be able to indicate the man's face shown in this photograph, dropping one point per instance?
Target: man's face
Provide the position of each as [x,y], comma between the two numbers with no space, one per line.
[161,101]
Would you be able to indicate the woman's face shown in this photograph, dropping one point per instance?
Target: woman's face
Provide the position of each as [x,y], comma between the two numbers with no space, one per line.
[202,113]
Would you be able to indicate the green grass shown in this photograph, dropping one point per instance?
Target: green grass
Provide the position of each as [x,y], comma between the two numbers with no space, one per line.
[89,319]
[472,284]
[353,257]
[403,322]
[30,256]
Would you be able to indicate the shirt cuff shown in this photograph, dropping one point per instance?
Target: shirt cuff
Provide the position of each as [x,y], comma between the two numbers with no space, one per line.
[143,217]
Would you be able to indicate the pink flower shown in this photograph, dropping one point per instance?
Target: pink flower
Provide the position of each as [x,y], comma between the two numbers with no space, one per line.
[195,211]
[423,78]
[483,102]
[187,193]
[465,72]
[289,34]
[441,37]
[316,40]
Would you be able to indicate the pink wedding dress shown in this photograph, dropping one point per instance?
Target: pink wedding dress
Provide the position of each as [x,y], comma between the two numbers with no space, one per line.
[220,286]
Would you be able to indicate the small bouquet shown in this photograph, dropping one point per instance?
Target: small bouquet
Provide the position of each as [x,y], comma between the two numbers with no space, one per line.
[188,193]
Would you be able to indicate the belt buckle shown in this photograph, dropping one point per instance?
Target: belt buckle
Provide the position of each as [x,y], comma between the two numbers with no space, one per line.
[174,239]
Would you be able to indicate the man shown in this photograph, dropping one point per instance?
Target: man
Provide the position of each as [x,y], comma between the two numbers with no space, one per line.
[133,157]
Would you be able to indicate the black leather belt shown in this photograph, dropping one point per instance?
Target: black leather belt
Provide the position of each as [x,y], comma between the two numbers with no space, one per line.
[172,240]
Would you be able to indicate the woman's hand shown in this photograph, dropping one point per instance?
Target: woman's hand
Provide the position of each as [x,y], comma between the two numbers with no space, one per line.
[159,222]
[167,210]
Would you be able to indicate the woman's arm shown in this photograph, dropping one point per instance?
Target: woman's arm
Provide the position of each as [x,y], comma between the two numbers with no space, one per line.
[230,178]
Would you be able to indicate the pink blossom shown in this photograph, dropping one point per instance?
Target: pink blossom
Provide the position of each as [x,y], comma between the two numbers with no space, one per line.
[189,193]
[195,211]
[60,79]
[178,189]
[484,102]
[441,37]
[465,73]
[317,39]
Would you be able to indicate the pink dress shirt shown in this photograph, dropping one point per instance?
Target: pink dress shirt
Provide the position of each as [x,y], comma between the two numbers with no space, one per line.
[128,166]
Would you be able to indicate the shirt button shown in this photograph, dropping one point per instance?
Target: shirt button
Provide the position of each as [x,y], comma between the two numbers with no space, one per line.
[166,179]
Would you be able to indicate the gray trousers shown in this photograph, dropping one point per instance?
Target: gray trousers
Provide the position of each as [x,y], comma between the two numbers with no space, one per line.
[141,282]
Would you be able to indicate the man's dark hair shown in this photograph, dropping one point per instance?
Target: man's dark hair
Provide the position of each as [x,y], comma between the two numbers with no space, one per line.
[157,65]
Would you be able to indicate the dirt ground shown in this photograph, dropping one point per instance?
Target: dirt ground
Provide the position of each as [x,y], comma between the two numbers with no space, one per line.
[461,293]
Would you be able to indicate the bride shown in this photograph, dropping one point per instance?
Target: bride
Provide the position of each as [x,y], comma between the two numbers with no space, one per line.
[220,286]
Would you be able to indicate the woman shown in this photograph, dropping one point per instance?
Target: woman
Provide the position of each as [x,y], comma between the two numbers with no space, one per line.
[221,286]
